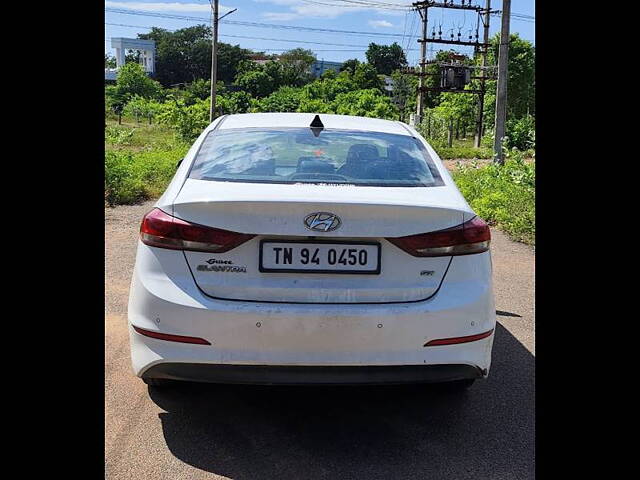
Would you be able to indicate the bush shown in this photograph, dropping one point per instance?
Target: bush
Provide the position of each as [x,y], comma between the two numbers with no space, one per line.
[141,108]
[285,99]
[503,195]
[131,178]
[118,135]
[520,133]
[236,102]
[256,83]
[187,120]
[365,103]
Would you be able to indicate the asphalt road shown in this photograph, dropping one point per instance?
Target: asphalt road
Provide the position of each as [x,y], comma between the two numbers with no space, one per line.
[391,432]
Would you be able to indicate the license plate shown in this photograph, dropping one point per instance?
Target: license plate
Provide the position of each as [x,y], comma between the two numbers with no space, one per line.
[320,257]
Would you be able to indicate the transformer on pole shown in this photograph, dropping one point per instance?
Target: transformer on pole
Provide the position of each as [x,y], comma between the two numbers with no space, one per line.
[454,76]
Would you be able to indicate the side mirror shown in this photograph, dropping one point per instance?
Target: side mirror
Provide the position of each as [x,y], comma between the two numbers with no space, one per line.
[179,163]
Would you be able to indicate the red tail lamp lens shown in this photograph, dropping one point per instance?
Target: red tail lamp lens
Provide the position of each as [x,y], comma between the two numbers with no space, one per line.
[470,237]
[160,229]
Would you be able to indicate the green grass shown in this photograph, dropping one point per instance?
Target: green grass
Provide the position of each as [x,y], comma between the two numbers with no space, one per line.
[461,148]
[133,137]
[503,195]
[140,161]
[456,152]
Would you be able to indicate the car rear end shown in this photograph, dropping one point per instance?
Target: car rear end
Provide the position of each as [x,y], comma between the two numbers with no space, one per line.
[315,260]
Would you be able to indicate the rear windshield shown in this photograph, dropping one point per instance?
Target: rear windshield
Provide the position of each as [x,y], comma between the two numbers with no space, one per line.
[296,155]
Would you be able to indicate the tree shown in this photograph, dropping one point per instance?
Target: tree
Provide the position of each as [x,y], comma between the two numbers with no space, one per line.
[132,80]
[200,90]
[329,74]
[386,58]
[276,71]
[457,106]
[185,55]
[115,100]
[246,66]
[366,77]
[296,65]
[404,93]
[228,57]
[256,82]
[350,65]
[260,80]
[187,120]
[365,103]
[285,99]
[109,61]
[521,82]
[326,89]
[236,102]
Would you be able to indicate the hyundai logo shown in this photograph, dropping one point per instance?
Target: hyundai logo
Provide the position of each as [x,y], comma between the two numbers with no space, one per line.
[322,221]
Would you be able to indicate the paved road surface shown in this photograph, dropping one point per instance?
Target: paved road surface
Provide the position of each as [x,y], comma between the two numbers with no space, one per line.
[390,432]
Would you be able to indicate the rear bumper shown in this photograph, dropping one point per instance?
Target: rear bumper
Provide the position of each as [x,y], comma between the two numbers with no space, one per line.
[305,375]
[389,337]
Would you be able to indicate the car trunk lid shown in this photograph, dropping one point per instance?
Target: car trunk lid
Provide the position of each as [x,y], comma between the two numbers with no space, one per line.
[277,213]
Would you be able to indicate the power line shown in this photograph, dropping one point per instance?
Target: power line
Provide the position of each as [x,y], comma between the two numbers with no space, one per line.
[253,38]
[252,24]
[376,4]
[381,6]
[107,40]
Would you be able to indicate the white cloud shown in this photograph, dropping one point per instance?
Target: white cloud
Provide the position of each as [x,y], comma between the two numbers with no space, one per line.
[166,6]
[279,16]
[380,23]
[299,9]
[279,2]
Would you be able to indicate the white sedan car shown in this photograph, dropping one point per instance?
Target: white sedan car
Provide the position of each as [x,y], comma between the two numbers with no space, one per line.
[294,248]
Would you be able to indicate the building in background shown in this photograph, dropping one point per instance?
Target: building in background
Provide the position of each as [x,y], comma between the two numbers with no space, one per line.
[147,49]
[321,66]
[262,59]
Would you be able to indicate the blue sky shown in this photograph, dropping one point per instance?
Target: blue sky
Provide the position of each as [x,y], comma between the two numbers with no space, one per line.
[371,16]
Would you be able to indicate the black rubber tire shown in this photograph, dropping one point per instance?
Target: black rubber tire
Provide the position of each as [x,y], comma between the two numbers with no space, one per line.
[159,382]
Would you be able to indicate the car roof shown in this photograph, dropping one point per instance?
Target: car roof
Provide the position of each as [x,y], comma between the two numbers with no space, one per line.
[344,122]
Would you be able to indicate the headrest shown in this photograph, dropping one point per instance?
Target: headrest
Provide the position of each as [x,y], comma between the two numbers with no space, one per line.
[362,152]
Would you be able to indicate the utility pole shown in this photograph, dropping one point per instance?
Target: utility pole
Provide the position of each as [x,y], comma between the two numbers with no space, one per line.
[214,59]
[214,54]
[423,59]
[479,121]
[501,91]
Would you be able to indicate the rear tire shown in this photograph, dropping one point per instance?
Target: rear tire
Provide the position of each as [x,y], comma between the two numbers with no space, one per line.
[159,382]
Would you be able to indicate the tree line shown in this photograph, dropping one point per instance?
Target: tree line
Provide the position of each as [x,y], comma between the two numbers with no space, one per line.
[179,93]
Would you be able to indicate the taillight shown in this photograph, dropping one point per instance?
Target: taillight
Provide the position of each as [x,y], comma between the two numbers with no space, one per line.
[159,229]
[470,237]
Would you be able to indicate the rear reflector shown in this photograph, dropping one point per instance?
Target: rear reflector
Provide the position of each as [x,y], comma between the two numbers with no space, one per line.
[454,340]
[170,338]
[160,229]
[470,237]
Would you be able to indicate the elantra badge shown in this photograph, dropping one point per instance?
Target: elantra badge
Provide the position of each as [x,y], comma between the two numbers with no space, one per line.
[322,222]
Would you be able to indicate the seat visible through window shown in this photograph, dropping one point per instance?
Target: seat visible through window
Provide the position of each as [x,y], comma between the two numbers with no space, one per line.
[359,157]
